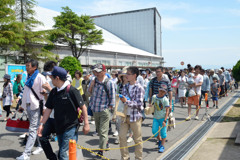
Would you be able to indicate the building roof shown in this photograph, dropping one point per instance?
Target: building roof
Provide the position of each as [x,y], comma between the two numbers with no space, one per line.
[111,43]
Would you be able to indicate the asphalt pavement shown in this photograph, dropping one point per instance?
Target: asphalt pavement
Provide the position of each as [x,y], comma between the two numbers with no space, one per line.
[10,144]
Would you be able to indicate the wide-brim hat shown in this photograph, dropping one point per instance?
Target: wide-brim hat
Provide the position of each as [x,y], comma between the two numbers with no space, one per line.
[123,72]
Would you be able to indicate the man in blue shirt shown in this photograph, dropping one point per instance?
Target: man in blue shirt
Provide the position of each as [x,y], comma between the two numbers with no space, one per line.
[205,87]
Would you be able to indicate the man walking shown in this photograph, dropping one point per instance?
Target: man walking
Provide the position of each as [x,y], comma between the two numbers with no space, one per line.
[102,99]
[156,82]
[135,93]
[31,98]
[65,100]
[227,79]
[205,87]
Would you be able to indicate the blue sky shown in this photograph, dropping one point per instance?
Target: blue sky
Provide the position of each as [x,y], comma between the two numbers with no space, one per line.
[205,32]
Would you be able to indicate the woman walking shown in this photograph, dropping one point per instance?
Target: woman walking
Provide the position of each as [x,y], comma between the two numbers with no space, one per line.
[7,95]
[18,85]
[182,80]
[77,81]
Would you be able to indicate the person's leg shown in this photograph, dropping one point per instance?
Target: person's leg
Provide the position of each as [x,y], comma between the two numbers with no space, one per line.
[123,139]
[64,146]
[185,100]
[196,101]
[200,99]
[34,118]
[7,109]
[136,128]
[163,131]
[96,116]
[189,109]
[103,129]
[46,146]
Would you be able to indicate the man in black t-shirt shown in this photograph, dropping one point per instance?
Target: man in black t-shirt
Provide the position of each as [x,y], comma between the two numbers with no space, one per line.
[66,120]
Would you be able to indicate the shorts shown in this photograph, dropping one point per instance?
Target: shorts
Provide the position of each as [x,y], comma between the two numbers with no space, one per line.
[194,100]
[155,127]
[215,97]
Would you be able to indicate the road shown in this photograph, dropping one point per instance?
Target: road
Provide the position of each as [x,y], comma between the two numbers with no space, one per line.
[10,145]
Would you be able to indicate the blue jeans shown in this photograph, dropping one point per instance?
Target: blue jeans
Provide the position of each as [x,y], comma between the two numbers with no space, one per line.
[63,142]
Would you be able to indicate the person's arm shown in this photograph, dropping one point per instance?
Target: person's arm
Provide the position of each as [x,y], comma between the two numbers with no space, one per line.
[111,93]
[22,84]
[135,103]
[86,127]
[44,119]
[150,91]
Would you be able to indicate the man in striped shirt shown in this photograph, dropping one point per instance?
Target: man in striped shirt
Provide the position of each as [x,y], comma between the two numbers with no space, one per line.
[103,98]
[156,82]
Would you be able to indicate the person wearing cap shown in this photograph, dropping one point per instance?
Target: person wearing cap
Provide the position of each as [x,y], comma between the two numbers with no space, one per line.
[102,90]
[160,102]
[133,95]
[222,82]
[7,95]
[65,115]
[32,105]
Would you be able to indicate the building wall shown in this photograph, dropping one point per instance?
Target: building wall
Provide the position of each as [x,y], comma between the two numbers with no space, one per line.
[135,27]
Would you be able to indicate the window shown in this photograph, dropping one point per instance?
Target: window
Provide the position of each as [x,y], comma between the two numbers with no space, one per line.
[106,62]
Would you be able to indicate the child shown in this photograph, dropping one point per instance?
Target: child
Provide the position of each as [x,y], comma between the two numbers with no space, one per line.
[215,87]
[161,104]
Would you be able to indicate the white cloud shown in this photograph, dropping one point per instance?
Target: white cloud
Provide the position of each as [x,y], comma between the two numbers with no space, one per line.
[235,12]
[171,23]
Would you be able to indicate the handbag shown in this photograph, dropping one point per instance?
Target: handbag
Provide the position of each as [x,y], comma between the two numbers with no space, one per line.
[149,110]
[78,110]
[18,125]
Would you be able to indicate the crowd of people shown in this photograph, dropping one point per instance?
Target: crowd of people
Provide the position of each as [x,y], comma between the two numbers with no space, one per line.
[52,98]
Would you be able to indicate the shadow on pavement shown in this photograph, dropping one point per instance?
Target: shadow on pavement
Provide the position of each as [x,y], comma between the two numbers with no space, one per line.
[9,153]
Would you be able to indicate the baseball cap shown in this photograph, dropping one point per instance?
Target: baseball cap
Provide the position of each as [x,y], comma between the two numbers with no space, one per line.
[7,76]
[58,71]
[99,67]
[163,87]
[144,72]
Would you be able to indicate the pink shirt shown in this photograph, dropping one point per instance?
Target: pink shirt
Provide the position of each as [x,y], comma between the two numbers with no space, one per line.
[28,96]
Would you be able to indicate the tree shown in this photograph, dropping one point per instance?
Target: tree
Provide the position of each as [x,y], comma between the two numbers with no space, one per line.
[34,40]
[236,71]
[79,33]
[71,64]
[10,30]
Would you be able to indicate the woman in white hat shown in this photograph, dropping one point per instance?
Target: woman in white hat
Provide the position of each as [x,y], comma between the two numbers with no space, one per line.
[7,95]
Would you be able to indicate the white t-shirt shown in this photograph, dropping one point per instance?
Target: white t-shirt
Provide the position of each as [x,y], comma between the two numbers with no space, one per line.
[197,80]
[129,109]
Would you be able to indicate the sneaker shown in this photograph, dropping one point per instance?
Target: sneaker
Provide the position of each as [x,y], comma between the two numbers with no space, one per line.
[23,157]
[188,118]
[216,107]
[95,134]
[161,149]
[23,136]
[115,134]
[196,118]
[159,144]
[37,151]
[99,155]
[92,122]
[116,141]
[129,140]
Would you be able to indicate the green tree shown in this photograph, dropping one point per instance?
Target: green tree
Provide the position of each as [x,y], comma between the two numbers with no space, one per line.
[71,64]
[79,33]
[236,71]
[10,30]
[34,40]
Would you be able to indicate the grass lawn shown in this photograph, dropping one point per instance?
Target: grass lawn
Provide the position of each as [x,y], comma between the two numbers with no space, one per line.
[233,114]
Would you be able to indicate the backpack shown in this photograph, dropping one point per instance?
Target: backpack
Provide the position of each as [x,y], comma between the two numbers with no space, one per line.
[78,110]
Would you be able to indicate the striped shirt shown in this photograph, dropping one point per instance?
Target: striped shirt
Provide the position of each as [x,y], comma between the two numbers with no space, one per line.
[99,100]
[136,100]
[155,84]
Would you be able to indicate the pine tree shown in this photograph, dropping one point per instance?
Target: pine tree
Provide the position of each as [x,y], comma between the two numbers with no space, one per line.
[79,33]
[10,30]
[34,40]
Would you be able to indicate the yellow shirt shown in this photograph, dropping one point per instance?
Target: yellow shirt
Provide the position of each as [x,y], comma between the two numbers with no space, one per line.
[80,88]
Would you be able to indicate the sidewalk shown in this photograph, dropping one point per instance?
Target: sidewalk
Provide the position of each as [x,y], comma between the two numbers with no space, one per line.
[220,143]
